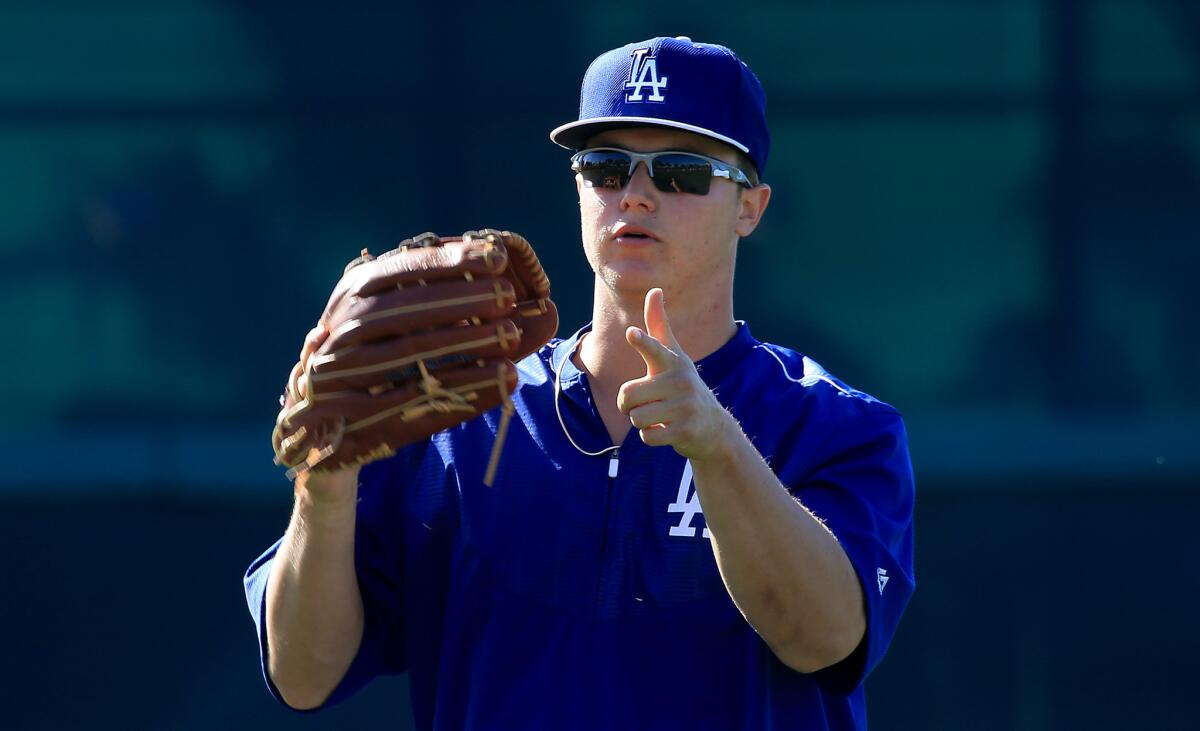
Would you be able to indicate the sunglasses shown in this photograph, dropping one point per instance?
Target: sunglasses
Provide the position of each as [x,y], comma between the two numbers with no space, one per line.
[671,171]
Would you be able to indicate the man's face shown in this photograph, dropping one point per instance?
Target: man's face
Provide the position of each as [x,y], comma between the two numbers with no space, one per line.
[686,240]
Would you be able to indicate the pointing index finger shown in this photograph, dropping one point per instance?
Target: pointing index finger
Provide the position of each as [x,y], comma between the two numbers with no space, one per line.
[657,356]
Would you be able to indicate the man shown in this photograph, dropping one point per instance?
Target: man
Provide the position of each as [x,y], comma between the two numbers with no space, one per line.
[690,529]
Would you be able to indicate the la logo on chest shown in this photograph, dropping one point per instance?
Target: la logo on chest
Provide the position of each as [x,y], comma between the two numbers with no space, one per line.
[687,504]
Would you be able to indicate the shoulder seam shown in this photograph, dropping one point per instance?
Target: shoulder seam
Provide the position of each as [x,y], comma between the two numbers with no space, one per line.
[802,381]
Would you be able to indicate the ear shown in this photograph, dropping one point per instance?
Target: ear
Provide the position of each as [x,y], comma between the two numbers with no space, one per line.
[751,207]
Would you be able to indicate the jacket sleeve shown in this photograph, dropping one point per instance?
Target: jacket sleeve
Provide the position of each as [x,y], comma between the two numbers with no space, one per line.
[378,558]
[859,483]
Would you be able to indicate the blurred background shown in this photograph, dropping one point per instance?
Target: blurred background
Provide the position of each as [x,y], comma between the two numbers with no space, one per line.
[986,213]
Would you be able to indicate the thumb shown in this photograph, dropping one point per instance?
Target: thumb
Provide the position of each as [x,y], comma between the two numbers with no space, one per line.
[657,324]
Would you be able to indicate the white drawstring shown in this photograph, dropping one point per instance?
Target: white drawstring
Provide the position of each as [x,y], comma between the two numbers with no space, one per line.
[558,410]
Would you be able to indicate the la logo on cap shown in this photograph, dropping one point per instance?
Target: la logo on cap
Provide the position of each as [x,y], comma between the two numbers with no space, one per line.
[643,73]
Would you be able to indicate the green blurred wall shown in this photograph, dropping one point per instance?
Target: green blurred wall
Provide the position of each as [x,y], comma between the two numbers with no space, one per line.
[983,211]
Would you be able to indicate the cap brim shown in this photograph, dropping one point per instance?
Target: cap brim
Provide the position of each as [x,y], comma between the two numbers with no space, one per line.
[573,135]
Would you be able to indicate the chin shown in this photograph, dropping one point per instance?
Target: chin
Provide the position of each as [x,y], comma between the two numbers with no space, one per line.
[624,278]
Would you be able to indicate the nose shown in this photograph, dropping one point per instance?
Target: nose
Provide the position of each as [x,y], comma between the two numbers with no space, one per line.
[640,190]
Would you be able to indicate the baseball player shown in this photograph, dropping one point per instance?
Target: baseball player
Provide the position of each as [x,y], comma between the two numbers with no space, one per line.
[689,528]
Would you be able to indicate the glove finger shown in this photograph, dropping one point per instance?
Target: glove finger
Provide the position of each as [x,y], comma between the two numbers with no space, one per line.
[409,266]
[524,267]
[438,305]
[360,426]
[373,364]
[536,329]
[536,316]
[431,407]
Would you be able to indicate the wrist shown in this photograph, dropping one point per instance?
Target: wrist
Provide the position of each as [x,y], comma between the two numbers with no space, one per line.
[327,491]
[724,447]
[316,520]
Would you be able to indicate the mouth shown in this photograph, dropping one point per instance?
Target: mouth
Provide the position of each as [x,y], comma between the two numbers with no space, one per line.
[627,234]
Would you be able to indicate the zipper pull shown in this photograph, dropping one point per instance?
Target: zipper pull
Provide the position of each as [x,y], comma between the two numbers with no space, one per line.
[613,463]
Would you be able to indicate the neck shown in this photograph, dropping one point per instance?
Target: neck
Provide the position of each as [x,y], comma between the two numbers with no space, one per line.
[701,324]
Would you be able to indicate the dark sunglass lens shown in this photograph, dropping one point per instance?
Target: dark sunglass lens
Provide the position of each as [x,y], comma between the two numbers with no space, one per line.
[603,169]
[682,174]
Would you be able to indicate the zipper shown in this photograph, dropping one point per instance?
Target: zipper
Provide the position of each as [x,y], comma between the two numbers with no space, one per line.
[614,462]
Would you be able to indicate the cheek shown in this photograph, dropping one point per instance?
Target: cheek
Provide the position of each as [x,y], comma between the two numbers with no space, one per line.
[711,228]
[591,206]
[593,211]
[590,222]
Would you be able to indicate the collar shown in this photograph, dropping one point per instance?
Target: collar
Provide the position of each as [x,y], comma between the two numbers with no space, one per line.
[713,368]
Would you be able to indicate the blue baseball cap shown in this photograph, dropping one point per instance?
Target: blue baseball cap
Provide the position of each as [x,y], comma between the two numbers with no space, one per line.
[673,82]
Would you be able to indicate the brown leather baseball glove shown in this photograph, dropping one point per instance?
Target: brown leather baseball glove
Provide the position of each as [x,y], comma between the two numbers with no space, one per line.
[412,342]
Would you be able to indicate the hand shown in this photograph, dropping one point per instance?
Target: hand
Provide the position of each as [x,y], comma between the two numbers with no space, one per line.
[323,488]
[671,404]
[312,341]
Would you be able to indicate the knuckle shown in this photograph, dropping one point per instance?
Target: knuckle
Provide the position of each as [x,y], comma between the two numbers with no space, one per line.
[625,396]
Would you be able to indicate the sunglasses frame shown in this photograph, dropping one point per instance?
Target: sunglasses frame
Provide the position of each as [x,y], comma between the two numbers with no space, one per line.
[720,168]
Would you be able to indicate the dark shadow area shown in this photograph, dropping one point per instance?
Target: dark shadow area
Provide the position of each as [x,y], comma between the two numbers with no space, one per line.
[1039,605]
